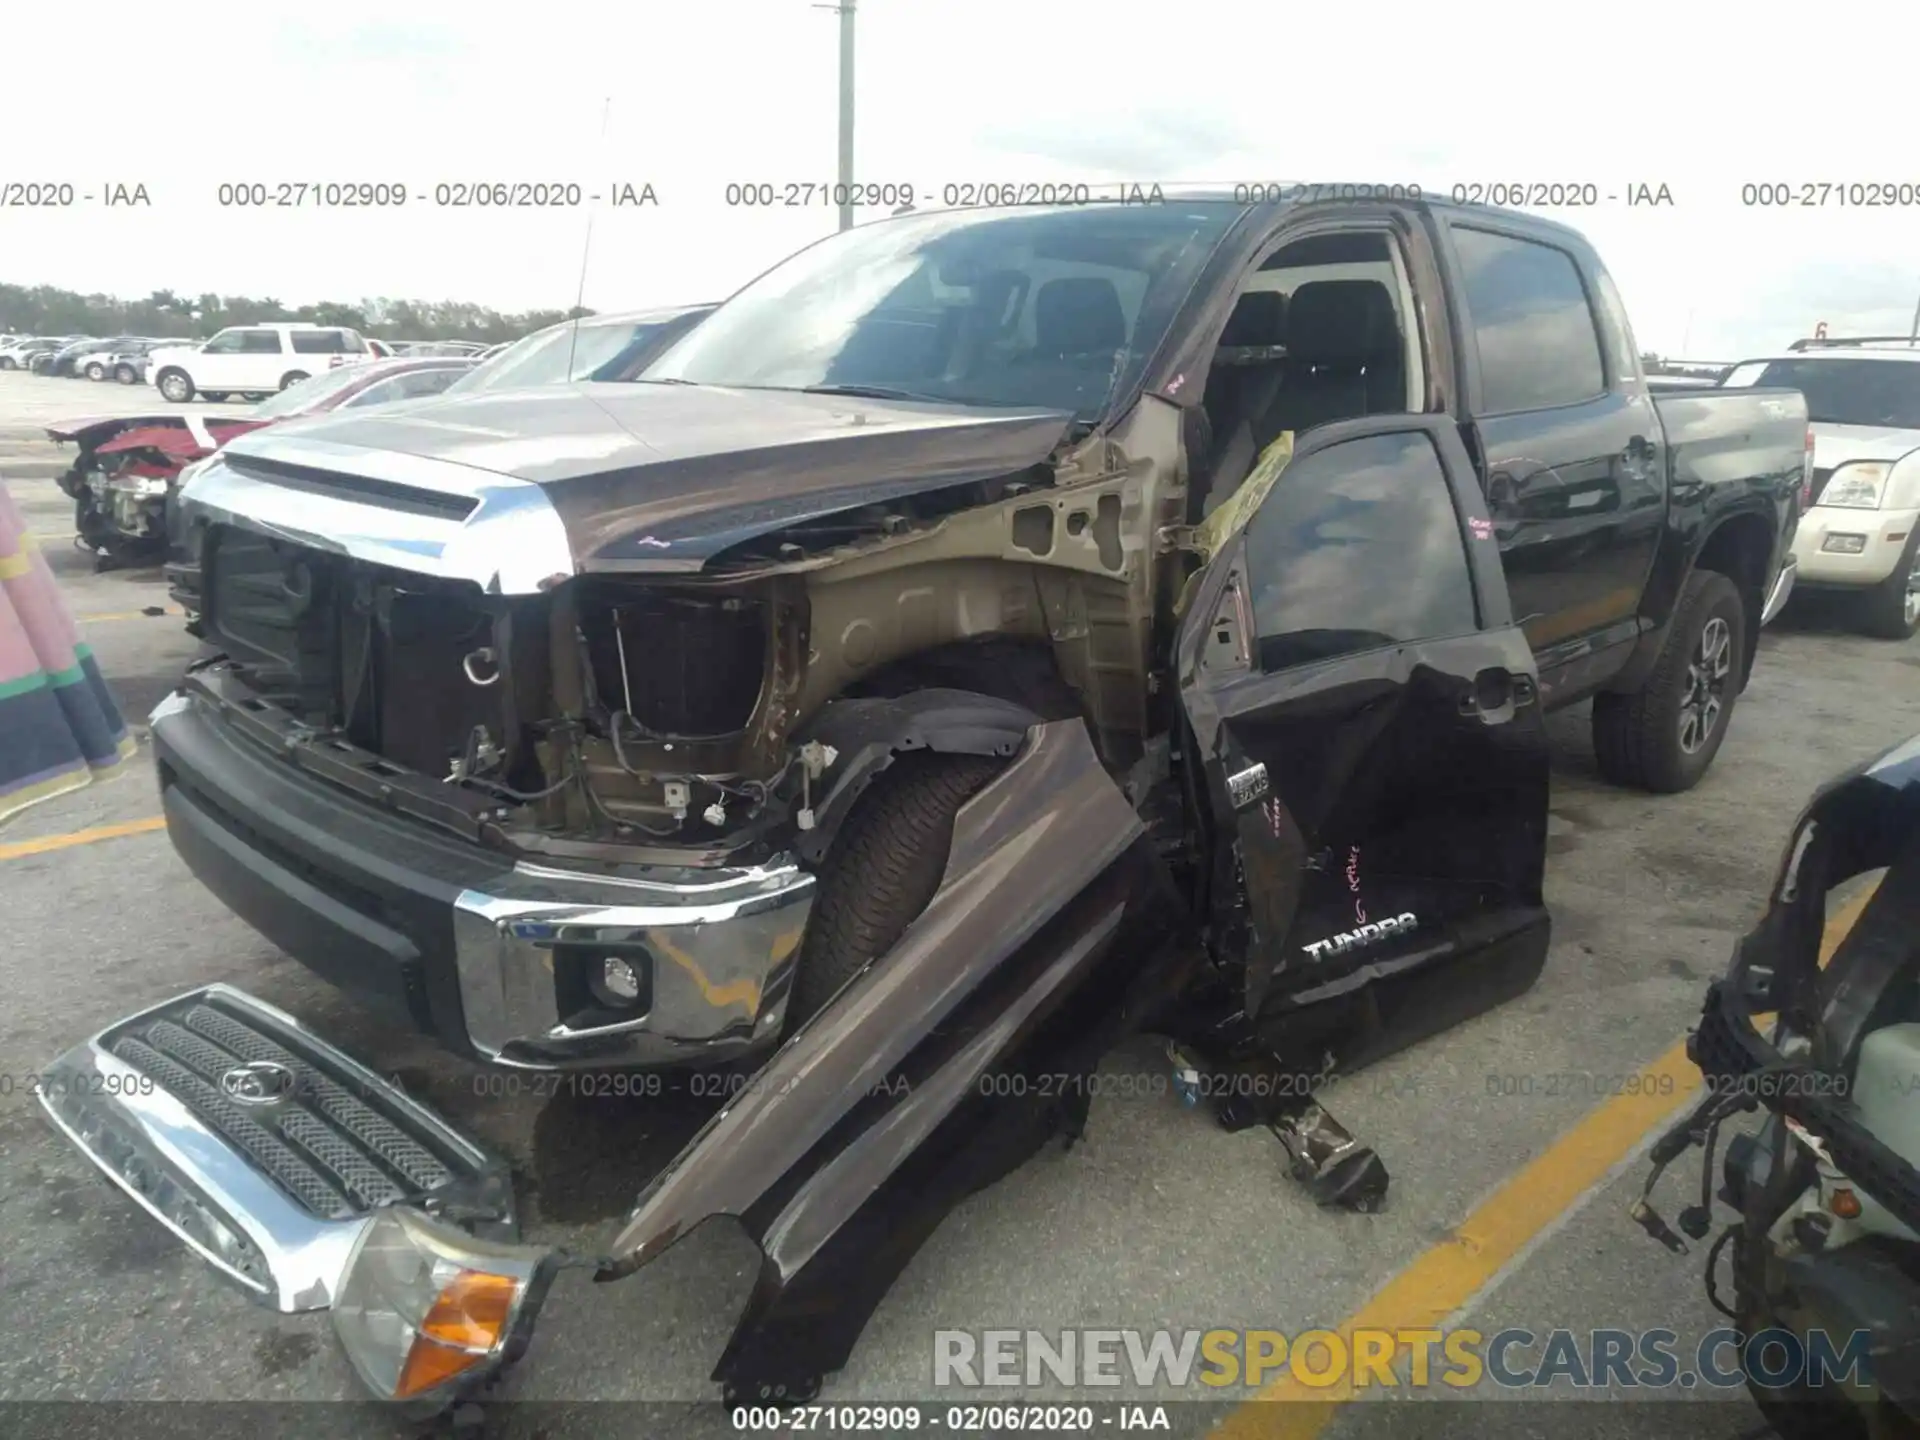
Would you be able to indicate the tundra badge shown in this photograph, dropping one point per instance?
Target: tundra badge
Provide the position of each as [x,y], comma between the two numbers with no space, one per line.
[1246,786]
[1365,935]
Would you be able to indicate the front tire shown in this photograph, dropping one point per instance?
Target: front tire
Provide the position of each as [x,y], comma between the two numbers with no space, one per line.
[1891,609]
[96,371]
[7,362]
[175,386]
[292,378]
[1663,737]
[885,865]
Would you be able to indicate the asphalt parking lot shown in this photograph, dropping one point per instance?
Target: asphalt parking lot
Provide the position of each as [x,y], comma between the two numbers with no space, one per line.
[1512,1166]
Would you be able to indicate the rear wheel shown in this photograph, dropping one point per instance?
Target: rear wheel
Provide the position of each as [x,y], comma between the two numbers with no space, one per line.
[1664,736]
[292,378]
[126,375]
[1891,609]
[175,385]
[7,362]
[885,865]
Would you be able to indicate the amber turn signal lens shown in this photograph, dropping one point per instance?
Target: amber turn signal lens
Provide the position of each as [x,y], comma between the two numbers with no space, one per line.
[468,1320]
[1845,1204]
[428,1365]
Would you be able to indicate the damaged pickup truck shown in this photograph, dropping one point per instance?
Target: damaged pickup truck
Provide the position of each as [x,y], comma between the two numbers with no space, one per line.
[989,635]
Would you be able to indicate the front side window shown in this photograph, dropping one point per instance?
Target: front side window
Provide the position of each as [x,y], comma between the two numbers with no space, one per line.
[1538,345]
[1358,546]
[227,342]
[1056,309]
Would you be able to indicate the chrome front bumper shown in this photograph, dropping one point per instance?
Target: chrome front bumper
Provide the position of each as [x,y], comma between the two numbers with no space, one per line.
[491,956]
[718,947]
[1782,588]
[260,1145]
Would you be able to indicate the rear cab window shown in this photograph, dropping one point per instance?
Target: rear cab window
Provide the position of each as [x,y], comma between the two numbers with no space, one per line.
[1532,323]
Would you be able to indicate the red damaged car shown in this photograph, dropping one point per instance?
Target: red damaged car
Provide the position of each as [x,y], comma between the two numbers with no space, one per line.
[129,466]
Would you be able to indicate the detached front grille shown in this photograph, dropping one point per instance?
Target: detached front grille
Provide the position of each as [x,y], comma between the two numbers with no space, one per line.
[260,1145]
[328,1148]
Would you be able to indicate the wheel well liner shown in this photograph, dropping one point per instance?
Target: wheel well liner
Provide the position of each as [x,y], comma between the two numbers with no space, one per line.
[870,732]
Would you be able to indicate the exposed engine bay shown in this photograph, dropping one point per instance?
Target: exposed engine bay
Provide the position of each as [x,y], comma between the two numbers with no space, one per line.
[612,714]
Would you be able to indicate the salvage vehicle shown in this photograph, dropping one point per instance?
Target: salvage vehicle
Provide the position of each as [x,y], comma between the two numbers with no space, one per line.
[19,354]
[67,361]
[253,359]
[989,634]
[1824,1249]
[129,466]
[1860,535]
[126,363]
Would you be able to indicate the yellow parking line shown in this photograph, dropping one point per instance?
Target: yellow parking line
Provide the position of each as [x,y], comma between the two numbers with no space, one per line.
[105,616]
[20,849]
[1444,1279]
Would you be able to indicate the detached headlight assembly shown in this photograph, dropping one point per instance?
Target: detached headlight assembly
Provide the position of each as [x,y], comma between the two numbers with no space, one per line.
[426,1312]
[1857,486]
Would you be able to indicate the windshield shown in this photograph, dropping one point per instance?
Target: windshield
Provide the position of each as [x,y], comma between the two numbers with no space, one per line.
[1058,308]
[542,357]
[310,393]
[1852,392]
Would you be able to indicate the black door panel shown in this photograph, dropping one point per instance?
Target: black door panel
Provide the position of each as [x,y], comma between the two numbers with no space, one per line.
[1572,452]
[1378,760]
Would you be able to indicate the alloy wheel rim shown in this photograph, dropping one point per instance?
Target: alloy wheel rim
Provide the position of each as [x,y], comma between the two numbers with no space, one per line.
[1704,700]
[1910,608]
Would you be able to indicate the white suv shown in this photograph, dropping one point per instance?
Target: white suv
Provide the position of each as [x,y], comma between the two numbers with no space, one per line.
[252,360]
[1861,531]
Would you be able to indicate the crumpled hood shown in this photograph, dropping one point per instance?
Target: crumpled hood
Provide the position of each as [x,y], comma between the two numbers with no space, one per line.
[671,474]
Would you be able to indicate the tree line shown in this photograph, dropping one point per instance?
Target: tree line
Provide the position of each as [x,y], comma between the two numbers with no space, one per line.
[48,310]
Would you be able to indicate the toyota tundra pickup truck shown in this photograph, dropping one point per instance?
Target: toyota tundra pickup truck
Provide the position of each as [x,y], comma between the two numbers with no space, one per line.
[989,634]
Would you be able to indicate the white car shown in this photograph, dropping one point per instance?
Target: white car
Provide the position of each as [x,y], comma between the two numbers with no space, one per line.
[252,360]
[1860,530]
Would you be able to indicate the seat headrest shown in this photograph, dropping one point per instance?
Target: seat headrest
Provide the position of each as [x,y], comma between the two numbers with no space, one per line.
[1333,322]
[1259,319]
[1077,316]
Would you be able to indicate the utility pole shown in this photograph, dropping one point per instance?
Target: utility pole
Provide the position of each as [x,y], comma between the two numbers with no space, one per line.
[845,11]
[1913,335]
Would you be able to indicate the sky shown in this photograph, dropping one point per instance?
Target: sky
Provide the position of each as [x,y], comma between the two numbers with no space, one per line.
[1701,98]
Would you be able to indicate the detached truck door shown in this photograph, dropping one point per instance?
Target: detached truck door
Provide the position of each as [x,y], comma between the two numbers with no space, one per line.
[1572,454]
[1367,722]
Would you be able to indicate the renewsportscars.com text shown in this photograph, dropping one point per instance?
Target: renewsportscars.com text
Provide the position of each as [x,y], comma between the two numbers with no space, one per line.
[1412,1358]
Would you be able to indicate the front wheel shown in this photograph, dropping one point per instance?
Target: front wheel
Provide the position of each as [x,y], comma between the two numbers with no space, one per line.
[7,362]
[1663,736]
[292,378]
[175,385]
[96,371]
[1891,609]
[885,865]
